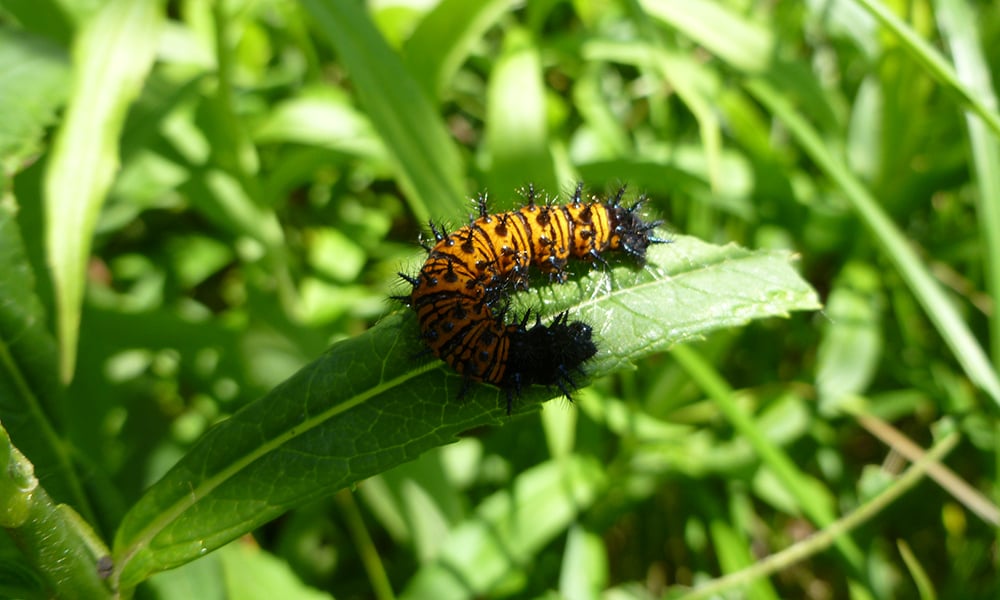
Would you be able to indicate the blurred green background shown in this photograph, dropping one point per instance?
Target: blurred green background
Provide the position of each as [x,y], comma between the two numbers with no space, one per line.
[209,194]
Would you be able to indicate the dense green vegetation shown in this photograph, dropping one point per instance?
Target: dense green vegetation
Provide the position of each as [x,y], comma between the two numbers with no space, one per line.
[204,206]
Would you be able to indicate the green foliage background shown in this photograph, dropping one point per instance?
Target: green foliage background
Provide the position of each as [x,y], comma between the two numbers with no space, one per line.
[204,205]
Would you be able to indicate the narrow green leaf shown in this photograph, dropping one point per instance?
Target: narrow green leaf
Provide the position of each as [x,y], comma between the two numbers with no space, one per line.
[735,553]
[851,346]
[427,162]
[812,499]
[922,581]
[959,28]
[723,36]
[111,56]
[925,288]
[935,64]
[446,36]
[31,396]
[364,406]
[516,119]
[324,120]
[251,573]
[509,526]
[689,288]
[584,571]
[371,402]
[739,42]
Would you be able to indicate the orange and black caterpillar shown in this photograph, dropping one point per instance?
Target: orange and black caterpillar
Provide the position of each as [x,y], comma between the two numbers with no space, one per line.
[460,295]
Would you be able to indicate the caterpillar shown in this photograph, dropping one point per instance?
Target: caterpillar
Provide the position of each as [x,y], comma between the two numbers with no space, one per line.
[461,293]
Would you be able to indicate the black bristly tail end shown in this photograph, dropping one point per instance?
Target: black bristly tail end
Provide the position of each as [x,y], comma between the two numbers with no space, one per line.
[547,355]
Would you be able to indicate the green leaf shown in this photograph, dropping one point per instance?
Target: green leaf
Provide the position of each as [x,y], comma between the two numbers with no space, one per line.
[446,37]
[325,120]
[31,397]
[111,56]
[39,72]
[483,552]
[922,284]
[371,403]
[688,288]
[935,64]
[958,26]
[734,547]
[53,19]
[737,40]
[516,119]
[585,564]
[251,573]
[851,347]
[750,48]
[428,165]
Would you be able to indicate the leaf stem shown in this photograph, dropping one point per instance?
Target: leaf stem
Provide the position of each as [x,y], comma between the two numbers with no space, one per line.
[366,547]
[820,513]
[833,532]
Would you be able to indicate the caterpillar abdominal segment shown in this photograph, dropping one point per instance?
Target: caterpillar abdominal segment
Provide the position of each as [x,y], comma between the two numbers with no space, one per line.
[461,293]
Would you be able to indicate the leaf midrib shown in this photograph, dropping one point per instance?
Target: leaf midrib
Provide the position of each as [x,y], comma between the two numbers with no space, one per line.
[170,514]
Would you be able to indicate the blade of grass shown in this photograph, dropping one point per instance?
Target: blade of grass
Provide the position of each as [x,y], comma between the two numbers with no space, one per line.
[958,27]
[927,290]
[516,120]
[941,474]
[446,37]
[584,572]
[694,84]
[925,587]
[741,43]
[234,150]
[508,526]
[829,535]
[735,556]
[372,562]
[821,513]
[111,57]
[427,161]
[935,64]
